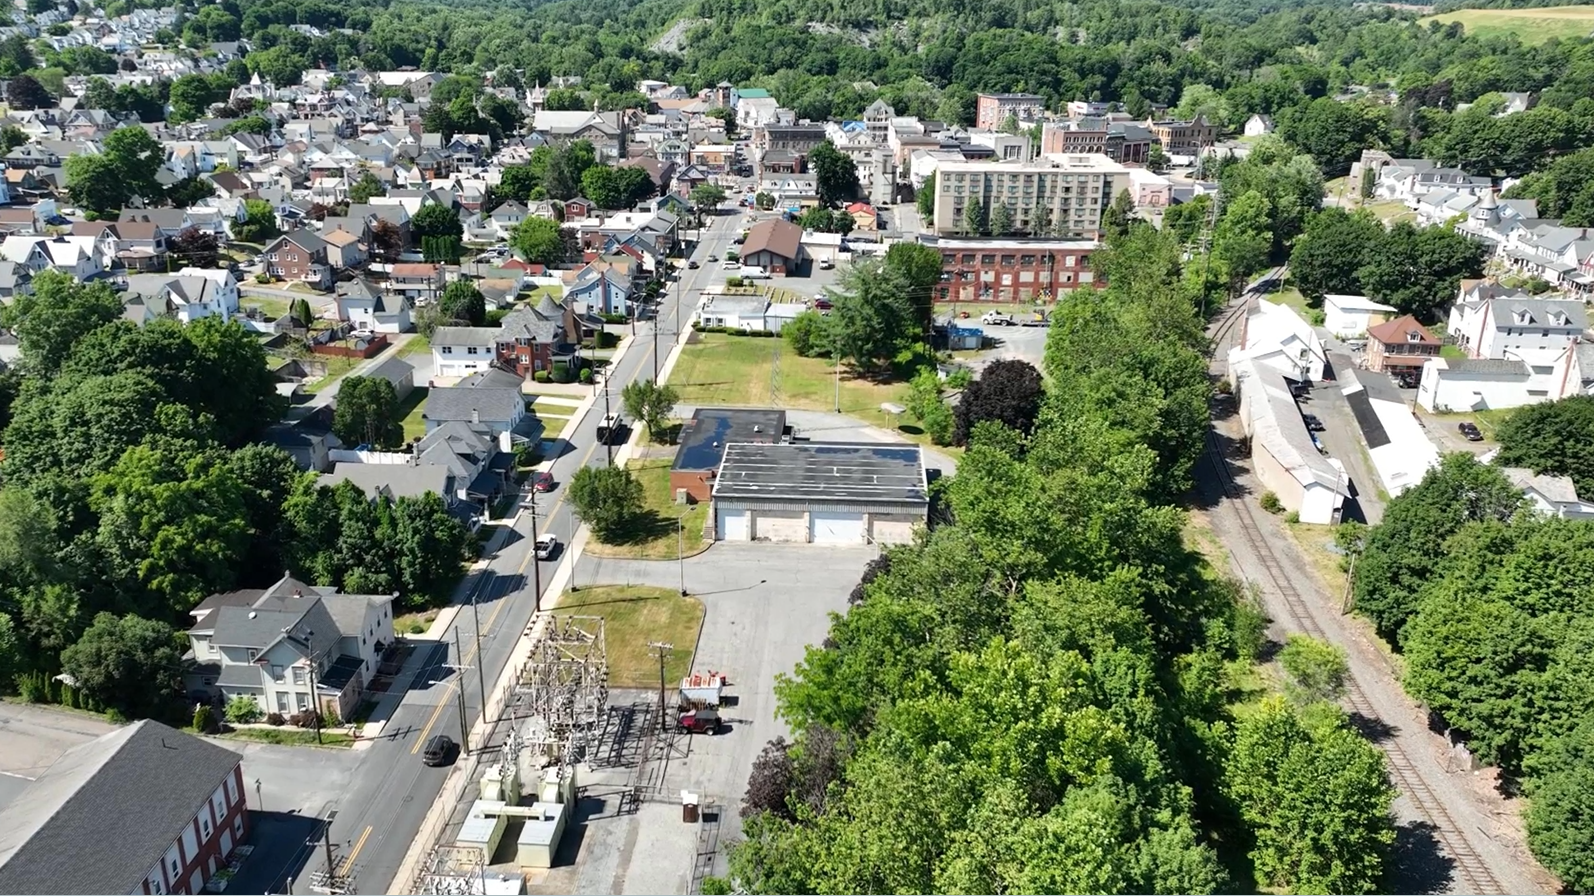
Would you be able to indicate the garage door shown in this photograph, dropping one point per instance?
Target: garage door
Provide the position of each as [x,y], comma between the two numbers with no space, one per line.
[772,526]
[835,528]
[732,525]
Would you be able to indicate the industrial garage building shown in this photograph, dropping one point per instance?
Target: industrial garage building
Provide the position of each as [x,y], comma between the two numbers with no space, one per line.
[820,492]
[704,437]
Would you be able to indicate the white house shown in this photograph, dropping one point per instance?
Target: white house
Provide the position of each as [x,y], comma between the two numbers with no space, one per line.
[189,294]
[367,307]
[1550,495]
[1257,125]
[1573,372]
[462,351]
[738,312]
[1476,384]
[1283,452]
[1273,335]
[84,257]
[271,644]
[1517,325]
[1348,317]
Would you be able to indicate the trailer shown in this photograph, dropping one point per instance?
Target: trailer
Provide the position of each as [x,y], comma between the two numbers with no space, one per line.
[700,690]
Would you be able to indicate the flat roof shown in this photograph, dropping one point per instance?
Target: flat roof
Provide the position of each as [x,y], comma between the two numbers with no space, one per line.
[704,437]
[824,471]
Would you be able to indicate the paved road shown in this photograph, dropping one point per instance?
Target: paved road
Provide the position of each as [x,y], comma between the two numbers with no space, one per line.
[390,792]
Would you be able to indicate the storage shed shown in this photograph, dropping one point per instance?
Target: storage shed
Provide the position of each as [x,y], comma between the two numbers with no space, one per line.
[820,493]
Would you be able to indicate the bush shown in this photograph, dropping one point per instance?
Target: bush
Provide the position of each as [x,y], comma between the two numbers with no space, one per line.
[1270,502]
[1292,517]
[540,376]
[204,719]
[1225,387]
[115,716]
[275,718]
[733,282]
[959,378]
[614,318]
[561,373]
[262,278]
[808,334]
[586,375]
[243,710]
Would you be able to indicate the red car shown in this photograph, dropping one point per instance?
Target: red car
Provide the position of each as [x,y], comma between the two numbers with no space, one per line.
[823,304]
[699,721]
[543,482]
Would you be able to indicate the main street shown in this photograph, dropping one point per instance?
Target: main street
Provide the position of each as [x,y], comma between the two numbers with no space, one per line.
[390,792]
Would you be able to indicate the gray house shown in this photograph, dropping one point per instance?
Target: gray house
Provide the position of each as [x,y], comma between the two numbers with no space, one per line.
[362,303]
[488,409]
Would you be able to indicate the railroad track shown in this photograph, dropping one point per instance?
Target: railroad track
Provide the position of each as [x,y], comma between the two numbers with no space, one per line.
[1469,871]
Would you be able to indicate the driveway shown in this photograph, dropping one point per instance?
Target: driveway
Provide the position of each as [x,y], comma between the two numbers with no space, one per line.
[764,604]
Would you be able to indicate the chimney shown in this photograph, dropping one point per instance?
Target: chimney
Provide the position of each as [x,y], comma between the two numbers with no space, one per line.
[475,416]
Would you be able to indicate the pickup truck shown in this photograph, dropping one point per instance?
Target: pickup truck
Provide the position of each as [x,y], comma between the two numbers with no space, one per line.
[997,318]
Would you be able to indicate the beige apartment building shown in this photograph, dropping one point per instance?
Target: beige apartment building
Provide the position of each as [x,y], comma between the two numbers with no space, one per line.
[1057,195]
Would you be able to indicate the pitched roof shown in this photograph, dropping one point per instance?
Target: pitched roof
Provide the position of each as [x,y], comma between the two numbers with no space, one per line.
[783,238]
[392,480]
[471,404]
[104,814]
[1399,330]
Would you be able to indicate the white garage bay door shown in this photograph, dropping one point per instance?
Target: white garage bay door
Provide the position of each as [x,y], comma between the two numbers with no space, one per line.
[835,527]
[732,525]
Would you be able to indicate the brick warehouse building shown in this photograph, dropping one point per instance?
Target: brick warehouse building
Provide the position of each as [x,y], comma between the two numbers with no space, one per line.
[1012,271]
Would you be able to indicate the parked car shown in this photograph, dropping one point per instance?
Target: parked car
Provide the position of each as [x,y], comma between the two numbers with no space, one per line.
[1312,423]
[1470,431]
[547,546]
[826,264]
[440,750]
[543,482]
[823,304]
[691,264]
[699,721]
[730,264]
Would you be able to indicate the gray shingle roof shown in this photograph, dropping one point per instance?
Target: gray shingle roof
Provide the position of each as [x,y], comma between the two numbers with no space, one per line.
[106,811]
[486,403]
[392,480]
[1488,366]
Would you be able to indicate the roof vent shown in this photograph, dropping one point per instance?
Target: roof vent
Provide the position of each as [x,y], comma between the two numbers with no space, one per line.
[298,593]
[758,427]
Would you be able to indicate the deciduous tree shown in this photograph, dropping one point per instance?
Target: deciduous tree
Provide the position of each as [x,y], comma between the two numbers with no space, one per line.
[650,403]
[539,241]
[463,303]
[873,319]
[366,412]
[835,176]
[1008,392]
[51,318]
[608,499]
[1555,438]
[436,219]
[126,663]
[1328,257]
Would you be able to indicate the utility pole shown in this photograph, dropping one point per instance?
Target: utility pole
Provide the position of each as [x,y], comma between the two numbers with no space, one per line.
[481,676]
[536,562]
[680,550]
[464,732]
[608,432]
[315,699]
[662,649]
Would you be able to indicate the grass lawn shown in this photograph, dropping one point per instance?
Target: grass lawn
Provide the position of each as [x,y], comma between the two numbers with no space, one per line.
[415,623]
[1452,353]
[1292,297]
[1489,422]
[1529,25]
[337,368]
[654,537]
[418,345]
[1391,211]
[739,371]
[633,616]
[410,408]
[290,736]
[272,307]
[536,294]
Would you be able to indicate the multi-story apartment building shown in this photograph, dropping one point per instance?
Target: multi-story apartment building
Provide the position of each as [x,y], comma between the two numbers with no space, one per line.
[795,138]
[991,109]
[1119,141]
[1184,137]
[1012,271]
[1056,195]
[1087,109]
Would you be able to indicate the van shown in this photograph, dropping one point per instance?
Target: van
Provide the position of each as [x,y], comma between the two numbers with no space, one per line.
[439,750]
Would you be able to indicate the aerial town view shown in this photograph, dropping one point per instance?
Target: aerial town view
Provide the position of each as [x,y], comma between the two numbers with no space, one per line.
[497,447]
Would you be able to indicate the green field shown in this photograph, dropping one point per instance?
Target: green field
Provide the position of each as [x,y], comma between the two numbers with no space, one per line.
[634,616]
[1528,25]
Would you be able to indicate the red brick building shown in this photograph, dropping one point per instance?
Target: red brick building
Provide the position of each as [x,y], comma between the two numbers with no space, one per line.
[1401,345]
[143,809]
[704,437]
[1012,271]
[991,109]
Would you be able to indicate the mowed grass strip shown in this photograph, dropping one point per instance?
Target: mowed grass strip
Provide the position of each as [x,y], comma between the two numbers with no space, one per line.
[634,616]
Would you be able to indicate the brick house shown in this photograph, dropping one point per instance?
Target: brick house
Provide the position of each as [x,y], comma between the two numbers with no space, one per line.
[991,109]
[1400,346]
[524,342]
[1185,137]
[984,270]
[300,255]
[143,809]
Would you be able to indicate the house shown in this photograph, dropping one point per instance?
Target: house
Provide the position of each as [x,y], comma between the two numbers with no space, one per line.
[490,409]
[1348,317]
[299,255]
[397,371]
[1401,345]
[344,249]
[507,217]
[82,257]
[289,647]
[1184,138]
[864,217]
[1275,337]
[479,465]
[498,292]
[1258,125]
[1284,455]
[820,492]
[579,207]
[600,290]
[774,245]
[188,295]
[1501,323]
[703,439]
[140,245]
[420,283]
[15,280]
[1573,371]
[143,809]
[738,312]
[367,307]
[527,340]
[1451,385]
[1550,495]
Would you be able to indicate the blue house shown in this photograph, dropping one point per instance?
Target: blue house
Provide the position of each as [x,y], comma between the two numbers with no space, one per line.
[605,292]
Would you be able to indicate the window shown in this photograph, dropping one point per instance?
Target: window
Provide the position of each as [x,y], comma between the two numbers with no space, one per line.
[302,702]
[204,826]
[1026,259]
[250,654]
[276,674]
[238,826]
[987,259]
[1007,260]
[298,675]
[155,885]
[282,702]
[967,258]
[448,349]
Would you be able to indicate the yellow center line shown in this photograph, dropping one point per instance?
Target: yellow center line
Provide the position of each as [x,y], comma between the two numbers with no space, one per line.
[348,860]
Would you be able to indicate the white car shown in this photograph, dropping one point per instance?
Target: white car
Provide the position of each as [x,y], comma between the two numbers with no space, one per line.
[546,546]
[826,264]
[730,265]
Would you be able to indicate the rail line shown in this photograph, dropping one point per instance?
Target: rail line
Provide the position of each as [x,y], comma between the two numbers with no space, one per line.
[1469,868]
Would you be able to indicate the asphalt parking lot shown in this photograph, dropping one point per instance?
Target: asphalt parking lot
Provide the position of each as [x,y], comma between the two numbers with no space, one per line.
[764,605]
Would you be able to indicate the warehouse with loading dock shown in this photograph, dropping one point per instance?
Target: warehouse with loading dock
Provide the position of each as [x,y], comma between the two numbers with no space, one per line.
[820,492]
